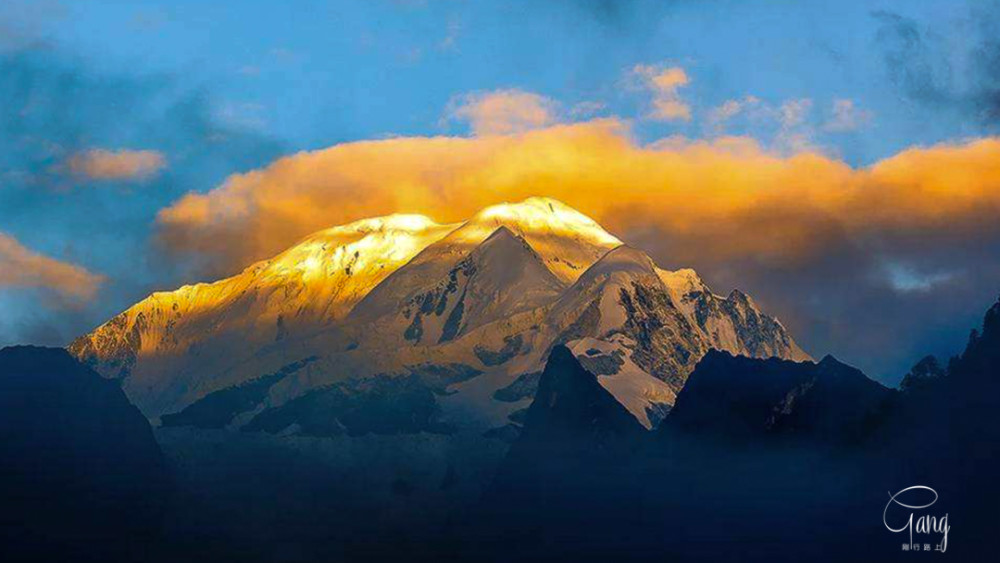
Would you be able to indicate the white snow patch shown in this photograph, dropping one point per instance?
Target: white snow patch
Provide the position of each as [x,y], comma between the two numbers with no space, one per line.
[635,389]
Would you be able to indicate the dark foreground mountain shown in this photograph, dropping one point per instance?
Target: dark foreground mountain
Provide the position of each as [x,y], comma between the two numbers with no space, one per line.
[738,399]
[81,476]
[759,460]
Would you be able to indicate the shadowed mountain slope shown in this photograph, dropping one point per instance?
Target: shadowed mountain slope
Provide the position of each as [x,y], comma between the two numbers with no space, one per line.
[80,471]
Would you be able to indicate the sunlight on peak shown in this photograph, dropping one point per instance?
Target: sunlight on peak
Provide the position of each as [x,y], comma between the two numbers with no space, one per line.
[342,263]
[400,222]
[543,214]
[376,243]
[409,222]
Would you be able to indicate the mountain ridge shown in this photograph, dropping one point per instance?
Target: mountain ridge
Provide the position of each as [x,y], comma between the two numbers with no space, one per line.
[493,295]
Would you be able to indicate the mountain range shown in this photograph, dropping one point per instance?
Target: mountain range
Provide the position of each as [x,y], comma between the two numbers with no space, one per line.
[476,398]
[759,459]
[450,324]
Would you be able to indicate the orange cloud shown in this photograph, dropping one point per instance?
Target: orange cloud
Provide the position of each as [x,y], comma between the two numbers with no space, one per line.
[664,83]
[945,186]
[102,164]
[21,267]
[727,198]
[504,112]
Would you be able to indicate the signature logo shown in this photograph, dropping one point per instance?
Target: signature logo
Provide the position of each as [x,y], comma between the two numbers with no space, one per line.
[905,513]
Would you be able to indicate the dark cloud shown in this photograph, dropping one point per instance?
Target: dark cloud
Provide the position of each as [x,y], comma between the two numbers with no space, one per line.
[986,57]
[959,76]
[54,107]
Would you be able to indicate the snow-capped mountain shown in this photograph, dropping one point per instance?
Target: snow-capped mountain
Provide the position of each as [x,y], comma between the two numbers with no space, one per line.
[455,321]
[499,278]
[312,284]
[565,240]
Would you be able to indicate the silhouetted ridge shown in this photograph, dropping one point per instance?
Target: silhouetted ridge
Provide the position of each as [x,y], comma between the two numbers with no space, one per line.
[571,418]
[924,372]
[571,405]
[734,398]
[79,467]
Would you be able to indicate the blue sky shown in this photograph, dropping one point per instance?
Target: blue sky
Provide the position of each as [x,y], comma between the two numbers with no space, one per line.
[218,88]
[316,73]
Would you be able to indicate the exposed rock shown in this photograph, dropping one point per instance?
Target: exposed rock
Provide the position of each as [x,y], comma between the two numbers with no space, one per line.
[511,347]
[217,409]
[521,388]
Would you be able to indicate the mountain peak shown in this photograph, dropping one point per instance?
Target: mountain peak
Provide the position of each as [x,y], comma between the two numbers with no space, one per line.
[829,359]
[377,243]
[542,215]
[501,277]
[506,250]
[682,282]
[504,245]
[568,241]
[504,233]
[40,359]
[513,279]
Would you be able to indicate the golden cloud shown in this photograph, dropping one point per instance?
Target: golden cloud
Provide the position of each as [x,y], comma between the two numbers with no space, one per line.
[727,198]
[664,83]
[503,112]
[102,164]
[21,267]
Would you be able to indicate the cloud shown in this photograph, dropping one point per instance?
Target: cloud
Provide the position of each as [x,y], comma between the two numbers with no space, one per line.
[806,234]
[685,186]
[242,115]
[103,164]
[795,133]
[453,30]
[54,106]
[917,66]
[503,112]
[586,109]
[23,268]
[719,116]
[904,278]
[664,83]
[846,116]
[794,128]
[957,76]
[793,113]
[726,111]
[788,124]
[22,22]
